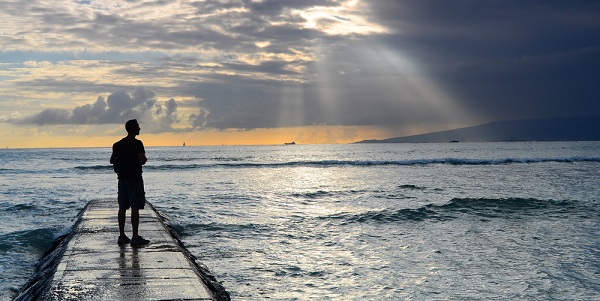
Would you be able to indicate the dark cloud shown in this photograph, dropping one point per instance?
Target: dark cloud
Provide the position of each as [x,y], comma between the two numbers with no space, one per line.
[504,59]
[495,59]
[167,115]
[255,64]
[89,113]
[119,107]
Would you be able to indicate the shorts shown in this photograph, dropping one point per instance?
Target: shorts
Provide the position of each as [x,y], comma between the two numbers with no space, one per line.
[131,194]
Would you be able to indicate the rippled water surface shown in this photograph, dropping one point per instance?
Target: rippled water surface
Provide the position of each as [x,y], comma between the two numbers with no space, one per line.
[485,221]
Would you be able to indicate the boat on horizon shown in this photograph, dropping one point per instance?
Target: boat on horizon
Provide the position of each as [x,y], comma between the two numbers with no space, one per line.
[290,143]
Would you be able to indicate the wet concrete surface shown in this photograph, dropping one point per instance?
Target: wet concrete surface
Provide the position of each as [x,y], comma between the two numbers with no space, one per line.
[92,266]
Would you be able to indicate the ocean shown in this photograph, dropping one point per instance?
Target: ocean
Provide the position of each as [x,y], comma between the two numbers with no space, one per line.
[454,221]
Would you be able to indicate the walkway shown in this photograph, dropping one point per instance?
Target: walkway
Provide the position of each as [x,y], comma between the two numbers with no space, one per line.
[89,265]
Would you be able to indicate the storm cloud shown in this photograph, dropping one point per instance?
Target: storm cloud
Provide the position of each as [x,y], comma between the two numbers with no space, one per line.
[267,64]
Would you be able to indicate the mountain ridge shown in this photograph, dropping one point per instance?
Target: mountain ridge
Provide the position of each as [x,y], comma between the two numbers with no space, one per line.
[581,128]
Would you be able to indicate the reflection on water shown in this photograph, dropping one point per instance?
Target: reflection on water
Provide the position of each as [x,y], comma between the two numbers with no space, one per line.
[132,280]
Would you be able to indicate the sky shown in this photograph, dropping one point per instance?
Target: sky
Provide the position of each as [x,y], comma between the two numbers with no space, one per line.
[237,72]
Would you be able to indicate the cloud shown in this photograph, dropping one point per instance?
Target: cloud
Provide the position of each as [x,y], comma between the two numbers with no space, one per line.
[118,107]
[273,63]
[192,26]
[503,59]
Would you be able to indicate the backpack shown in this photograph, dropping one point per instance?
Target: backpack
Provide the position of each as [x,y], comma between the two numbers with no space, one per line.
[116,159]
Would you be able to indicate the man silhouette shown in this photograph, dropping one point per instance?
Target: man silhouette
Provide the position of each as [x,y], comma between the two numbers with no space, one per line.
[128,157]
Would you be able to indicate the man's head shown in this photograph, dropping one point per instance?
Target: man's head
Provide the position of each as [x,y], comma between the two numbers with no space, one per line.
[132,127]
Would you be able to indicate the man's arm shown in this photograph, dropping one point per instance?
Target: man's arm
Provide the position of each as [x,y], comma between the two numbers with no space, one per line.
[141,152]
[115,153]
[143,158]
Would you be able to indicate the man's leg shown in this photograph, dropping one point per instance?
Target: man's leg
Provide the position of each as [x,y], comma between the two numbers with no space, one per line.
[123,200]
[135,221]
[137,204]
[121,218]
[136,239]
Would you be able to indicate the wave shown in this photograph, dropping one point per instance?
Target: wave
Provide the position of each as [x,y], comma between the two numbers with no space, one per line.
[450,161]
[147,167]
[482,208]
[95,167]
[411,187]
[234,163]
[416,162]
[214,227]
[313,195]
[38,239]
[191,159]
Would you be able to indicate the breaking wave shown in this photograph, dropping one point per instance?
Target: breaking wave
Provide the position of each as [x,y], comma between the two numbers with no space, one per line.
[481,208]
[230,163]
[38,239]
[450,161]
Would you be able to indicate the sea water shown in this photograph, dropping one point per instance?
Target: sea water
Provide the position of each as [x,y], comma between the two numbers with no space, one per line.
[456,221]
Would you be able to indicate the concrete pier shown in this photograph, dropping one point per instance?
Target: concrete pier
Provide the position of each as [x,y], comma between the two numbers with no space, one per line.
[87,264]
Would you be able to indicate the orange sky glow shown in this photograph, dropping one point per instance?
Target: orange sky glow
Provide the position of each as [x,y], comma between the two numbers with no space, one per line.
[300,135]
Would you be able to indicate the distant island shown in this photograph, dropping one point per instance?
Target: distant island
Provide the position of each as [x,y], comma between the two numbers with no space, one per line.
[583,128]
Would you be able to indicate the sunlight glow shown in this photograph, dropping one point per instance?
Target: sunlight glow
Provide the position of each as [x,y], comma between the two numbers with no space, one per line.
[346,19]
[262,44]
[400,83]
[292,108]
